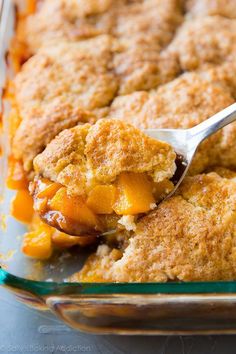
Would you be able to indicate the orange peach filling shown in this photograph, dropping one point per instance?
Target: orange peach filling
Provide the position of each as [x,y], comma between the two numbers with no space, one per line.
[131,194]
[63,211]
[22,202]
[22,206]
[40,242]
[101,199]
[16,177]
[31,6]
[134,194]
[74,208]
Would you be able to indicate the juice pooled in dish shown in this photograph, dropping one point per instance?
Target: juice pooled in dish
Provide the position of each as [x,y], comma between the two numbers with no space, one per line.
[92,178]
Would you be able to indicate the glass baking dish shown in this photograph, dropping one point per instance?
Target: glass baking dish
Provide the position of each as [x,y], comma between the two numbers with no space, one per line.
[118,308]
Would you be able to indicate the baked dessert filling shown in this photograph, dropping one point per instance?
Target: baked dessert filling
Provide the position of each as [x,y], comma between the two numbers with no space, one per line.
[97,174]
[42,240]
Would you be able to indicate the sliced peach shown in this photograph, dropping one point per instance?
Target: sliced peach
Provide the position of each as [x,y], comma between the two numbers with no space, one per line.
[16,178]
[48,189]
[22,206]
[62,240]
[134,194]
[73,207]
[36,222]
[31,6]
[101,199]
[38,243]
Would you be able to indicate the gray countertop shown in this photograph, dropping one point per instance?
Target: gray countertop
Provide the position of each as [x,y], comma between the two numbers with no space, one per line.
[24,330]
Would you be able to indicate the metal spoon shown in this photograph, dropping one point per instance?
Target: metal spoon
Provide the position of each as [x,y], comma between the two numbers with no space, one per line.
[186,141]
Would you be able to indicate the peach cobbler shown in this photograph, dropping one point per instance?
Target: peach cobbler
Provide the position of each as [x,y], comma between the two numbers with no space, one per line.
[91,76]
[90,175]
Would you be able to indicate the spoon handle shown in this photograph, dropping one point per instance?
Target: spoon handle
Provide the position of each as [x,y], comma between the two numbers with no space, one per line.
[213,124]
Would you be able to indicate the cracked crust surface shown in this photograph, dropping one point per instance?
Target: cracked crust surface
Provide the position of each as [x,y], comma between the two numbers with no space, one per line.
[73,83]
[137,60]
[207,40]
[58,88]
[190,237]
[77,81]
[99,153]
[184,103]
[76,20]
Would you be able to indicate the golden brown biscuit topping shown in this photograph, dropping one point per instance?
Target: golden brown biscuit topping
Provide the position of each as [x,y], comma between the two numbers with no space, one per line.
[76,20]
[110,167]
[207,40]
[58,88]
[99,153]
[77,81]
[190,237]
[184,103]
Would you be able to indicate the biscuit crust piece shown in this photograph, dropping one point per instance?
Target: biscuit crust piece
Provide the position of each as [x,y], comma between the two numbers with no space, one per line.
[86,155]
[181,104]
[207,40]
[58,88]
[190,237]
[73,20]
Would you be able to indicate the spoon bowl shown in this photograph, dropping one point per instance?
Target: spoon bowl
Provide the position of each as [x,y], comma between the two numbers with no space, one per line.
[186,141]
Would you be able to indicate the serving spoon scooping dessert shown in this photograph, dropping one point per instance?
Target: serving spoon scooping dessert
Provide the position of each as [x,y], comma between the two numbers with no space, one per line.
[186,141]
